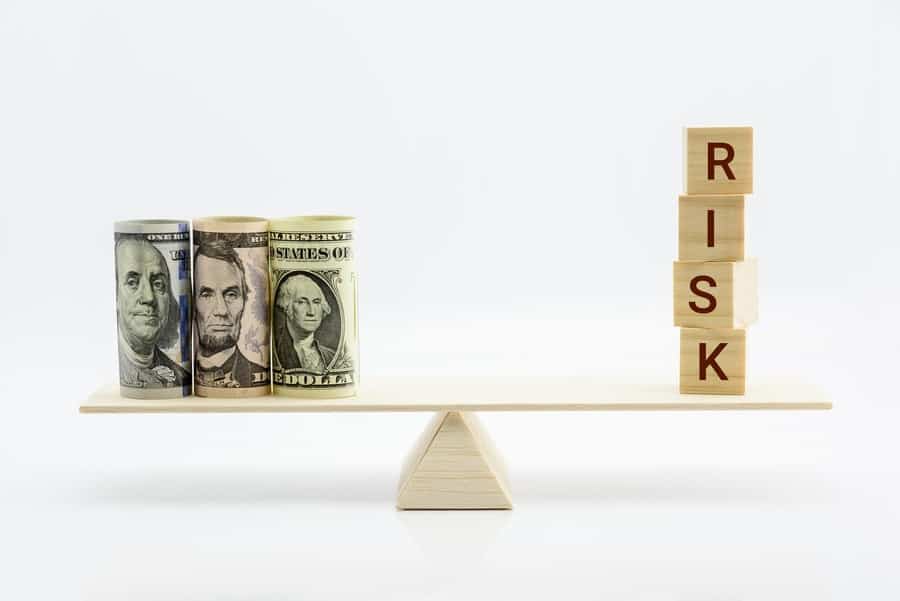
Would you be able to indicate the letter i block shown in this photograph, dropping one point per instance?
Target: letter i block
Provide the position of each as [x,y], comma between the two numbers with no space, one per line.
[713,361]
[711,227]
[715,294]
[718,160]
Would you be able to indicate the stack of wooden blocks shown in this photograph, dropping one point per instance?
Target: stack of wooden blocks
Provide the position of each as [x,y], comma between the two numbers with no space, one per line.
[715,286]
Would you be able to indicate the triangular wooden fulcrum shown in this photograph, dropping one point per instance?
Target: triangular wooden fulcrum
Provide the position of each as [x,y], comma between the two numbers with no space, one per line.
[454,465]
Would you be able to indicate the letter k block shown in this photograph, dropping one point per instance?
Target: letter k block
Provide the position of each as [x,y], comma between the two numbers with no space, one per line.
[713,361]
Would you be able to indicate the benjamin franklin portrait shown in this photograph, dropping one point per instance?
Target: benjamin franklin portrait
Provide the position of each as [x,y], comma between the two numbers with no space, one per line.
[148,317]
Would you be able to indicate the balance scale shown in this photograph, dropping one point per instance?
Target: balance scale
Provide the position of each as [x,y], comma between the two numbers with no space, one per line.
[454,464]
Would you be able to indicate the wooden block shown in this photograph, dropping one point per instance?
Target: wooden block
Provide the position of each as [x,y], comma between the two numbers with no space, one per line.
[454,465]
[711,227]
[718,160]
[710,294]
[713,361]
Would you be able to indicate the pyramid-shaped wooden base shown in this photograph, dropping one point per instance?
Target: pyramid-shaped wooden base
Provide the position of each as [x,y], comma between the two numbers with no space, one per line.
[454,465]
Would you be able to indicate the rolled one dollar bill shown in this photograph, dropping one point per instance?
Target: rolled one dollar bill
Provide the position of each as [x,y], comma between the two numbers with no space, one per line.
[231,307]
[153,298]
[314,314]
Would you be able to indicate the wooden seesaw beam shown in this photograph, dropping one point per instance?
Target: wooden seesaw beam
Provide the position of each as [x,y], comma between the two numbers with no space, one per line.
[454,464]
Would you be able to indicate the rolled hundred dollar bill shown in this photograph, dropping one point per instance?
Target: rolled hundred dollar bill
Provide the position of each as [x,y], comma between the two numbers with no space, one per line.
[231,307]
[153,292]
[314,312]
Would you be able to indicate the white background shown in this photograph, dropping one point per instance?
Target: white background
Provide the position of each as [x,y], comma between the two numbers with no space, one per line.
[514,167]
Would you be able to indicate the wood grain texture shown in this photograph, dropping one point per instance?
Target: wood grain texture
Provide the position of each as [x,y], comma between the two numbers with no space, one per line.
[732,361]
[732,285]
[646,392]
[696,154]
[454,466]
[725,242]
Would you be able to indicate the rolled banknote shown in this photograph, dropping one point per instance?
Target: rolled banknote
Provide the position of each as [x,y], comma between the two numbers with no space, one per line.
[153,292]
[231,307]
[314,314]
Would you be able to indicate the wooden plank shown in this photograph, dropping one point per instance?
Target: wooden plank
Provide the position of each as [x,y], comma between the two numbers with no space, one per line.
[459,393]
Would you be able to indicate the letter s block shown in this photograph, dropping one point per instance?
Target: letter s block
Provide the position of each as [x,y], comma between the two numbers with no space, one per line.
[713,361]
[715,294]
[718,160]
[711,227]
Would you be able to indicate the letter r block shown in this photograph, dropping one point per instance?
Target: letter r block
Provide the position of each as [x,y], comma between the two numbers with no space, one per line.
[711,227]
[713,361]
[718,160]
[715,294]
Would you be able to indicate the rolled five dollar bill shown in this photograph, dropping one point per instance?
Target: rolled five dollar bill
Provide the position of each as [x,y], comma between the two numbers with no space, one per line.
[314,309]
[231,307]
[153,292]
